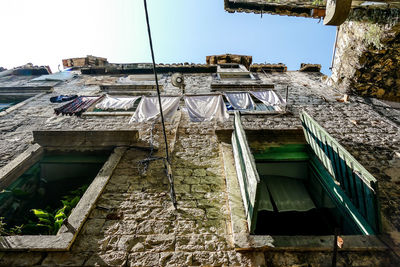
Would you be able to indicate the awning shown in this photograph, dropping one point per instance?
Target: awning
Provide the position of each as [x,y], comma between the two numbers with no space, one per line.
[115,103]
[269,97]
[240,100]
[206,108]
[149,108]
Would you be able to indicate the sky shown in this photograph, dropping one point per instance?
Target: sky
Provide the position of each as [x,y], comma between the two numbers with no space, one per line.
[44,32]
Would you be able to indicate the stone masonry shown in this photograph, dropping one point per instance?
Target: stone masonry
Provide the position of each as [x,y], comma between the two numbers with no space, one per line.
[367,54]
[134,223]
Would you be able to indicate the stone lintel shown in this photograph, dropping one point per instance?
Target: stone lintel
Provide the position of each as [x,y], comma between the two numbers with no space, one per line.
[85,139]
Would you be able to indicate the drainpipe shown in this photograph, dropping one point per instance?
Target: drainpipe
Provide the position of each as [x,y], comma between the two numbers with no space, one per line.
[334,47]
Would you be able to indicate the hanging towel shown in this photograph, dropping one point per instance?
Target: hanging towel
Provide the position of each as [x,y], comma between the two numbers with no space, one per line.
[206,108]
[269,98]
[117,102]
[240,100]
[149,109]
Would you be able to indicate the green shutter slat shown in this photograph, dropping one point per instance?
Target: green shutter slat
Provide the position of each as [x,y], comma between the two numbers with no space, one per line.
[343,170]
[354,186]
[361,196]
[333,161]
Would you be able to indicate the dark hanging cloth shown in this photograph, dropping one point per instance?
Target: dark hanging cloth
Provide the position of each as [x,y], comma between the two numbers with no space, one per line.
[78,106]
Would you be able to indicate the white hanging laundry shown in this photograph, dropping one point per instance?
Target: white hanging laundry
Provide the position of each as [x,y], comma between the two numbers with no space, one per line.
[240,100]
[269,98]
[149,109]
[117,102]
[206,108]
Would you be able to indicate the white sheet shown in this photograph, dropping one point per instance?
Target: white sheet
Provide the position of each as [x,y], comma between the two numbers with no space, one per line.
[117,102]
[269,98]
[149,109]
[206,108]
[240,100]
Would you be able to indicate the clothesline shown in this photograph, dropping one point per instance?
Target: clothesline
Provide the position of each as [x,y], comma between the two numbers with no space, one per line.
[200,107]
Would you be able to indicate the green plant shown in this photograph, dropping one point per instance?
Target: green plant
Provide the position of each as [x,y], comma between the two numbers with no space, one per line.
[52,221]
[318,2]
[16,230]
[48,220]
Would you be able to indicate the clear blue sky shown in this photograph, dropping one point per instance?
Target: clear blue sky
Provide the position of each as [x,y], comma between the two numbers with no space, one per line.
[45,31]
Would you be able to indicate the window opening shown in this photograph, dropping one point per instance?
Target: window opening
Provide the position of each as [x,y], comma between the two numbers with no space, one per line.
[246,102]
[288,183]
[235,75]
[229,66]
[7,101]
[52,187]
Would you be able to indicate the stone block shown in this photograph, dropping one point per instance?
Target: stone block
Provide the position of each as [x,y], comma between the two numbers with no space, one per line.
[114,258]
[199,172]
[201,188]
[175,259]
[160,243]
[143,259]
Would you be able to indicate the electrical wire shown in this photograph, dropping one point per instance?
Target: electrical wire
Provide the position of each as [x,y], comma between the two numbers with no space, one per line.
[167,164]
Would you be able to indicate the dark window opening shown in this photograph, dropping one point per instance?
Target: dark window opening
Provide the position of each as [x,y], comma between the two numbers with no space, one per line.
[45,185]
[7,101]
[294,198]
[235,75]
[299,205]
[229,66]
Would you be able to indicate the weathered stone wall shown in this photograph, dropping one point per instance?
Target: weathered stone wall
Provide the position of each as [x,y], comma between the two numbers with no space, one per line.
[134,222]
[367,54]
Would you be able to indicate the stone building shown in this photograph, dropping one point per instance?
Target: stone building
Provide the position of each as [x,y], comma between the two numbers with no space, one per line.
[366,50]
[126,217]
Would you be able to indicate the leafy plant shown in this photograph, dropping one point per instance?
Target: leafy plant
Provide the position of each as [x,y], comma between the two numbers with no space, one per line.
[48,221]
[52,221]
[16,230]
[318,2]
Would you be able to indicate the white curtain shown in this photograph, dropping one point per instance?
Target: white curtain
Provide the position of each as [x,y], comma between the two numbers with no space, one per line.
[240,100]
[117,102]
[289,194]
[269,98]
[206,108]
[149,109]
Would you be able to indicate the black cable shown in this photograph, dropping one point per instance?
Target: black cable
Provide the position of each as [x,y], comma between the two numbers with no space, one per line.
[168,167]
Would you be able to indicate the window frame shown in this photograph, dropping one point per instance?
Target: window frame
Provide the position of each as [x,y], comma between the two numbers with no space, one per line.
[240,226]
[118,141]
[32,93]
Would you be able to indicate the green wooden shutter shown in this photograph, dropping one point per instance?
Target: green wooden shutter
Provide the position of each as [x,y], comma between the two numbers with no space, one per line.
[246,171]
[359,185]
